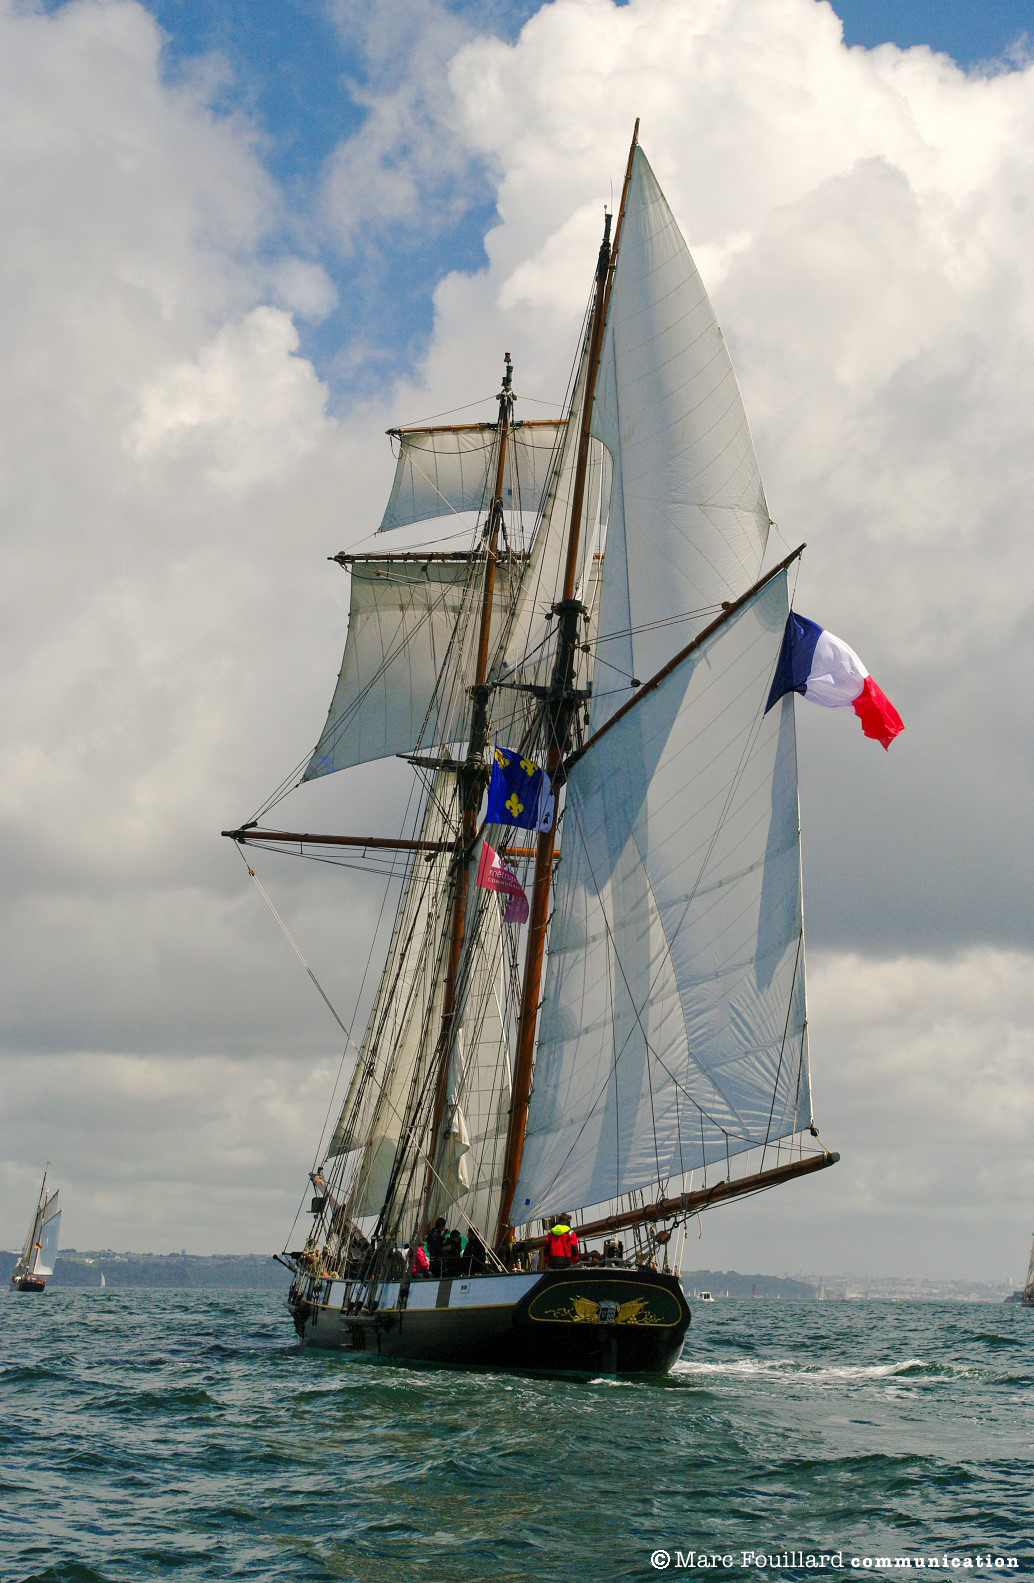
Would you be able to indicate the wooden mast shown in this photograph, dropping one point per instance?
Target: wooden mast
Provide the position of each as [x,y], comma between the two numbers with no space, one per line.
[472,774]
[559,715]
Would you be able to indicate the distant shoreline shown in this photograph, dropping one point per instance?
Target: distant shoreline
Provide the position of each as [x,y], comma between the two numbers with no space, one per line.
[262,1272]
[197,1271]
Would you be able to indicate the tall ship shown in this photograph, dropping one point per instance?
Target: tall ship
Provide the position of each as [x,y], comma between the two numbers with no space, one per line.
[591,1019]
[35,1264]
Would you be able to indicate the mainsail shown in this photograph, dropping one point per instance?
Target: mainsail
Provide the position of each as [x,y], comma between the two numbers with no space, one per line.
[673,1025]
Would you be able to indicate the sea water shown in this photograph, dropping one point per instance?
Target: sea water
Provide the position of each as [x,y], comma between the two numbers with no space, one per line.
[185,1435]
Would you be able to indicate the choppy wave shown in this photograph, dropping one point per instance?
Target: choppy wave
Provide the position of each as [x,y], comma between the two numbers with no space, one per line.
[176,1435]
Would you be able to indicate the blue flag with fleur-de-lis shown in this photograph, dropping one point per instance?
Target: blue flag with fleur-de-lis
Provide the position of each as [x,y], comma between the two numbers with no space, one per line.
[519,792]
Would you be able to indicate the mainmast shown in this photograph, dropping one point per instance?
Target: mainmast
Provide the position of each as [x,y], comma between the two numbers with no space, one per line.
[560,710]
[472,774]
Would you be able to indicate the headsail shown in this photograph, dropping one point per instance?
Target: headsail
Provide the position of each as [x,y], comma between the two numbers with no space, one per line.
[688,520]
[673,1030]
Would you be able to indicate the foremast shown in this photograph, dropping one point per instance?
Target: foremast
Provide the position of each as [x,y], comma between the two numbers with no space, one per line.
[472,775]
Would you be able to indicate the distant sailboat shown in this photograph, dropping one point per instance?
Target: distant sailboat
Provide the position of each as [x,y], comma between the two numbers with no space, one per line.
[36,1263]
[1027,1294]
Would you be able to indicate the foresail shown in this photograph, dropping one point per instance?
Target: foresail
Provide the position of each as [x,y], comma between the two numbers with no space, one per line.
[673,1031]
[410,626]
[688,521]
[444,471]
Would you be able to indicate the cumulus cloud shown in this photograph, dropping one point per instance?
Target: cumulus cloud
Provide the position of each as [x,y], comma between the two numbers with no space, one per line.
[924,1085]
[404,169]
[175,474]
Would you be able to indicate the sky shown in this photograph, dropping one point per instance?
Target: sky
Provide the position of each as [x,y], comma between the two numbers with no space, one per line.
[241,239]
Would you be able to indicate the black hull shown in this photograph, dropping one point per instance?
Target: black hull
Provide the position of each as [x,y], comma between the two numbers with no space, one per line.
[28,1283]
[583,1320]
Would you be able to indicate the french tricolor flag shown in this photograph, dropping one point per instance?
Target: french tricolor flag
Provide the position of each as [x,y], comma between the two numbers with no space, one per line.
[822,667]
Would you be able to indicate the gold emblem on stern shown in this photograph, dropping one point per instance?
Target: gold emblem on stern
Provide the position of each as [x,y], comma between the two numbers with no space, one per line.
[584,1310]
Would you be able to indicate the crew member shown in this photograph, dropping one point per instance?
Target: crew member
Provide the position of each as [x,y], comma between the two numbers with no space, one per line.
[419,1263]
[561,1244]
[436,1245]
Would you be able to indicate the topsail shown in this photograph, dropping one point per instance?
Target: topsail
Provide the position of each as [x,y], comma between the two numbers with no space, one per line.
[447,471]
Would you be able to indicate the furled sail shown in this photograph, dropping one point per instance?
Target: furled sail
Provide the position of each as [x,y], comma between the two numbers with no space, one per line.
[407,650]
[449,470]
[673,1031]
[688,520]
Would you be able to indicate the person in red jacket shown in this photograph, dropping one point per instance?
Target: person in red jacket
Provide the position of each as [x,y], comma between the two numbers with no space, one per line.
[561,1244]
[419,1263]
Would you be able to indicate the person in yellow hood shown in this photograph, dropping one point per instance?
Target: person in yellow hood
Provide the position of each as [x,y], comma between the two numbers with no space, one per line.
[561,1244]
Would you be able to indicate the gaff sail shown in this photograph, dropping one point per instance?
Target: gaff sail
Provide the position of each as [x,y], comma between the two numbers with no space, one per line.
[673,1029]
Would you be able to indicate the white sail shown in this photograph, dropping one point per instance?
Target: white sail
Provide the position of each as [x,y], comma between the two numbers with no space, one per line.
[46,1247]
[410,630]
[406,1017]
[450,470]
[469,1171]
[688,521]
[673,1030]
